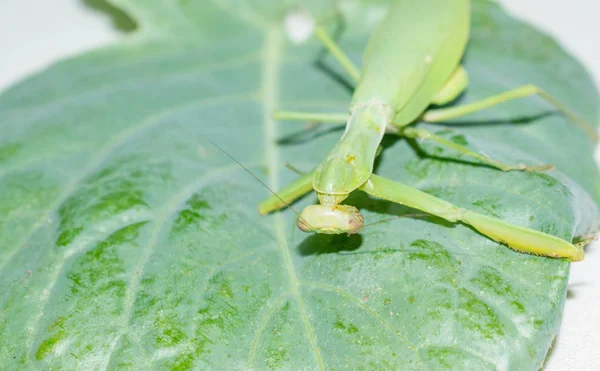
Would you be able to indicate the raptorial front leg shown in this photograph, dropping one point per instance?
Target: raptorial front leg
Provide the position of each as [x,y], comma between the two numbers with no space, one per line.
[443,114]
[518,238]
[420,133]
[288,194]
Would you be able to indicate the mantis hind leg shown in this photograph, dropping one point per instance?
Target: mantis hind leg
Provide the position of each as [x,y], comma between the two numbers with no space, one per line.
[518,238]
[420,133]
[442,114]
[337,53]
[346,64]
[456,85]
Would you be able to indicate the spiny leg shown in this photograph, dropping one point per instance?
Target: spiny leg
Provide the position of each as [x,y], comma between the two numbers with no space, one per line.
[288,194]
[518,238]
[337,53]
[420,133]
[346,64]
[409,132]
[456,85]
[292,191]
[442,114]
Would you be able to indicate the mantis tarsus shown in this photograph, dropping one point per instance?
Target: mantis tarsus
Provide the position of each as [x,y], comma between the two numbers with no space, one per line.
[400,79]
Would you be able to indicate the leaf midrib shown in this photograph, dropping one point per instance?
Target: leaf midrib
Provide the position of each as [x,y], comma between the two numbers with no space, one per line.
[272,52]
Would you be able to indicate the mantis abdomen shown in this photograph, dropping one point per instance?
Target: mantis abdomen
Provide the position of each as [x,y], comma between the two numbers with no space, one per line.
[413,52]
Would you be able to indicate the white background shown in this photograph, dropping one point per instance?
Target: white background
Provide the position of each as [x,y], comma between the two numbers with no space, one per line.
[34,33]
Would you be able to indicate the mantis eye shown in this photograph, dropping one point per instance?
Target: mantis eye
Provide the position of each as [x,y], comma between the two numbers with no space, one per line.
[330,219]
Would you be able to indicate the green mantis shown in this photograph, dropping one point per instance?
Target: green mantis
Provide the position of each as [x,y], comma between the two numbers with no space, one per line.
[412,61]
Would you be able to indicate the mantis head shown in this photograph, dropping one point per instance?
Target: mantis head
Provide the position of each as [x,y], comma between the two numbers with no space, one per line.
[330,219]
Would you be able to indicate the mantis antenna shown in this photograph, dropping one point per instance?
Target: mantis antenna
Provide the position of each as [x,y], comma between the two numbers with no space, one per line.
[261,182]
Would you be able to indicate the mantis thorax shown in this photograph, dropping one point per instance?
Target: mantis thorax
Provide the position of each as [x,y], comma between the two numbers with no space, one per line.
[329,199]
[350,163]
[348,166]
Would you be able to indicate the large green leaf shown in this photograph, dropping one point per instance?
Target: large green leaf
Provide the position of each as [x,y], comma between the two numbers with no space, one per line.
[128,241]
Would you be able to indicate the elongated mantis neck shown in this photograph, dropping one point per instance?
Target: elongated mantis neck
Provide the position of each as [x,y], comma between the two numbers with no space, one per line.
[328,199]
[350,163]
[347,167]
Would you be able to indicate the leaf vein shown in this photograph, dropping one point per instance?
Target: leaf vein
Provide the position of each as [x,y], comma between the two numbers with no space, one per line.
[47,292]
[263,324]
[270,81]
[170,207]
[104,153]
[112,86]
[368,309]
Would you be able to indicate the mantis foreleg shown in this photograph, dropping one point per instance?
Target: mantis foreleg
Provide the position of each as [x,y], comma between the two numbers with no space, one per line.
[518,238]
[288,194]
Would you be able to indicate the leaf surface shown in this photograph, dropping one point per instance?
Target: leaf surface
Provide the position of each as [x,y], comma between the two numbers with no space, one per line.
[128,241]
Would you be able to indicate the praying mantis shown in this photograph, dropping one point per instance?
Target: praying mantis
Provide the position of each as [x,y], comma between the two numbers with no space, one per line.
[412,61]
